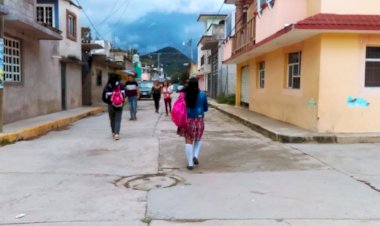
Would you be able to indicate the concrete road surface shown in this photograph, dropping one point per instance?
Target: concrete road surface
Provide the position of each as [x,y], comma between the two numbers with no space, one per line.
[80,176]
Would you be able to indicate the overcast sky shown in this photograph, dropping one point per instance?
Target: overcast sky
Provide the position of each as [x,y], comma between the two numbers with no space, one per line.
[149,25]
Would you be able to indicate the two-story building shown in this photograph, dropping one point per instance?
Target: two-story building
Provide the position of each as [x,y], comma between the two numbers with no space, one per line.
[219,78]
[312,63]
[41,57]
[99,62]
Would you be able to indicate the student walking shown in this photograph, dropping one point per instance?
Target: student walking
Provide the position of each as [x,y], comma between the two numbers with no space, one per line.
[156,91]
[197,105]
[113,95]
[167,91]
[133,94]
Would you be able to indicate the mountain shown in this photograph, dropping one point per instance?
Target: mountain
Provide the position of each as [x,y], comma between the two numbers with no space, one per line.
[172,60]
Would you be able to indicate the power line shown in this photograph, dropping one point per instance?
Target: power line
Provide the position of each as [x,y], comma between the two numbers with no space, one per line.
[90,21]
[108,16]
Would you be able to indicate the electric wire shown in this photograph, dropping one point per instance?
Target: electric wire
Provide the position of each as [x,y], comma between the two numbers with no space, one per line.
[90,21]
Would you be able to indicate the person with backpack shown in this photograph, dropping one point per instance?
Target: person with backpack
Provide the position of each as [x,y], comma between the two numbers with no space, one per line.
[192,130]
[113,96]
[133,93]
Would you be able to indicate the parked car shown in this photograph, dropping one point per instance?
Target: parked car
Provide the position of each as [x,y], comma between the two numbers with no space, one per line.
[145,89]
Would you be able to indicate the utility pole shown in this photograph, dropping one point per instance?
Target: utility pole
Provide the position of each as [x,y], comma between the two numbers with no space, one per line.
[158,60]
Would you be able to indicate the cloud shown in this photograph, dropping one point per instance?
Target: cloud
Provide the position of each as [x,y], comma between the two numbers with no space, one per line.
[150,24]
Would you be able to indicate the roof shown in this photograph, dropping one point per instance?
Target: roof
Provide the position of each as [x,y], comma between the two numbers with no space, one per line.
[203,17]
[340,22]
[311,26]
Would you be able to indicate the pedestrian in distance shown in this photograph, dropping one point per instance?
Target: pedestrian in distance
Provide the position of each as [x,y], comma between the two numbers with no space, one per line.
[133,94]
[156,92]
[192,131]
[114,96]
[167,91]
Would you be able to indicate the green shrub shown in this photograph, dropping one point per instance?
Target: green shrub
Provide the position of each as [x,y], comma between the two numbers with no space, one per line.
[226,99]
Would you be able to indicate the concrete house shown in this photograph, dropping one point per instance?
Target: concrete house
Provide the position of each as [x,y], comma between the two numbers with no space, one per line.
[99,62]
[311,63]
[41,57]
[216,77]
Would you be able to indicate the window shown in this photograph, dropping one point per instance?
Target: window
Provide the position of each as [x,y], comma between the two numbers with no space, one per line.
[12,60]
[45,14]
[99,78]
[202,60]
[71,25]
[263,3]
[294,70]
[372,67]
[262,75]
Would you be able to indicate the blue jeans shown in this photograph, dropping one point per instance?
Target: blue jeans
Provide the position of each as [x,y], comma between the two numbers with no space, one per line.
[132,102]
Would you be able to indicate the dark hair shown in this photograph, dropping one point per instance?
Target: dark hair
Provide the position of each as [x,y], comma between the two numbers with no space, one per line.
[113,79]
[192,91]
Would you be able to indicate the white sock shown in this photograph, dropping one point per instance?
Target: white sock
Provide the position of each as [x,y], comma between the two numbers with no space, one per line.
[189,154]
[197,148]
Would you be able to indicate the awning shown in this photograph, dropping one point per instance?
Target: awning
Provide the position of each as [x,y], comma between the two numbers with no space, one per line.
[71,60]
[125,73]
[91,46]
[30,28]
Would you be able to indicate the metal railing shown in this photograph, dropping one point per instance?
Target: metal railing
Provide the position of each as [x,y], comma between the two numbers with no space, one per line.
[244,37]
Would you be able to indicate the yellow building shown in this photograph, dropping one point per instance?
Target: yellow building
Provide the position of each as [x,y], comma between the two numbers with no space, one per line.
[311,63]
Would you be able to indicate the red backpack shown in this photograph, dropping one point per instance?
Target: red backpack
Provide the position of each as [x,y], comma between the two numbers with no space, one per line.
[117,98]
[179,111]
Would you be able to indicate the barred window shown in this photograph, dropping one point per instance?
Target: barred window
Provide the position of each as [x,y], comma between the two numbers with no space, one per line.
[294,70]
[45,14]
[12,60]
[262,75]
[372,67]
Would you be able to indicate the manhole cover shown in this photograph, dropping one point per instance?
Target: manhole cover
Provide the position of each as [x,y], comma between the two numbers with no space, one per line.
[149,182]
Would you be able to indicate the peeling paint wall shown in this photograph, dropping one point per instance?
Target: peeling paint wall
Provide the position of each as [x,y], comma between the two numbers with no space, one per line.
[39,92]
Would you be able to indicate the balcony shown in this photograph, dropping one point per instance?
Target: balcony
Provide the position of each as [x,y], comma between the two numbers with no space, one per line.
[244,38]
[212,41]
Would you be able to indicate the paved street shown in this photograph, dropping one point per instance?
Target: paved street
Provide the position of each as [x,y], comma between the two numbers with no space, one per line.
[79,176]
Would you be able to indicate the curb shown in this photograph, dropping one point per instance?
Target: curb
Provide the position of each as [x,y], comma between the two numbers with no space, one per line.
[44,128]
[275,136]
[282,138]
[341,138]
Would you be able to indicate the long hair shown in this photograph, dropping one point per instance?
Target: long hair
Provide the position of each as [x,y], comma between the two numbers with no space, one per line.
[113,79]
[192,91]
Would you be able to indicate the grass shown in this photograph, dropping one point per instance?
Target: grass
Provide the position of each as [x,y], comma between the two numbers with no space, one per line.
[226,99]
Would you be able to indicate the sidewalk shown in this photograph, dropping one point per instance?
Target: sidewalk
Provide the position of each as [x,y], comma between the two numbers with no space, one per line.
[287,133]
[34,127]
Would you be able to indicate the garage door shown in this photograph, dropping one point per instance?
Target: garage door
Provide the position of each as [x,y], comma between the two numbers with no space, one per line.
[245,80]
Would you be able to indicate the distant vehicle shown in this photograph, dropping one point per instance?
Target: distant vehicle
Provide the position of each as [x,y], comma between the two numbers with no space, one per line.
[180,88]
[145,89]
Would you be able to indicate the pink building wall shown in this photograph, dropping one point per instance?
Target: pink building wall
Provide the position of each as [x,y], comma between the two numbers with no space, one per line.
[283,12]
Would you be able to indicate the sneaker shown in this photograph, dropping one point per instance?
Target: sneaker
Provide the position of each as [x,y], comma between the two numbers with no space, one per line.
[113,135]
[190,167]
[195,160]
[117,137]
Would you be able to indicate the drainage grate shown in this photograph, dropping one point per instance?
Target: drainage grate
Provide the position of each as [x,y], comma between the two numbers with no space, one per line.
[149,182]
